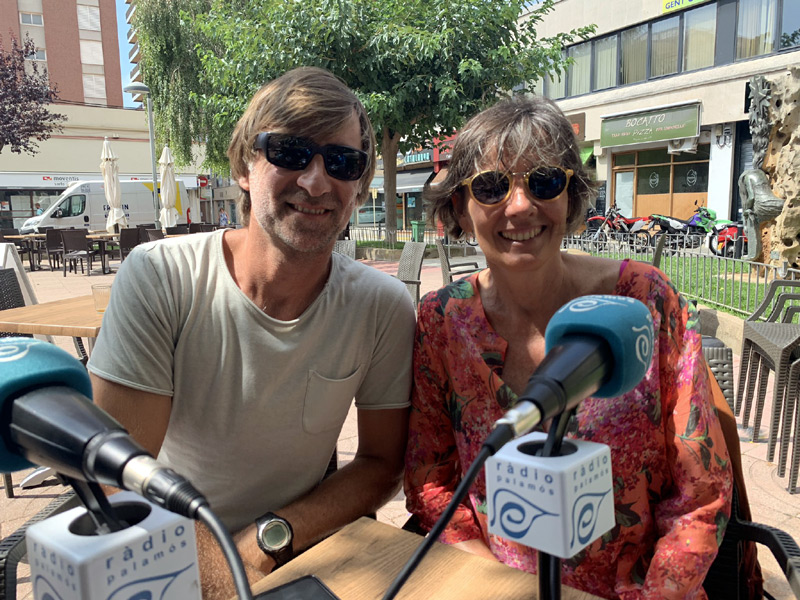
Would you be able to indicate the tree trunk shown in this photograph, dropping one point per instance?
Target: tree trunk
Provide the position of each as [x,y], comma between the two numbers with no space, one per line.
[389,145]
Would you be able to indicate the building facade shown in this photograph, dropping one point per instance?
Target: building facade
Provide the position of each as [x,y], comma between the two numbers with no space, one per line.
[660,97]
[76,42]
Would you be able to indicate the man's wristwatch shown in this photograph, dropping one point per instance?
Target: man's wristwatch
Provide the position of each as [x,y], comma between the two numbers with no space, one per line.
[274,536]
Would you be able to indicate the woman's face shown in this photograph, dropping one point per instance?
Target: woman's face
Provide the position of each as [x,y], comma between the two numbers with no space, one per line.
[523,232]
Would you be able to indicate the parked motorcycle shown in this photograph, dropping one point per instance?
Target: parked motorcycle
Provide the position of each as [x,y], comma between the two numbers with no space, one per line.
[723,240]
[599,229]
[685,233]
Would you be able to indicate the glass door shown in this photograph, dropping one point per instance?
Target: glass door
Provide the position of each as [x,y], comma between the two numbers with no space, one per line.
[623,192]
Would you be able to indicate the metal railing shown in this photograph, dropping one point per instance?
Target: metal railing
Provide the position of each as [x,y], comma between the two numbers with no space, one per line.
[735,285]
[377,233]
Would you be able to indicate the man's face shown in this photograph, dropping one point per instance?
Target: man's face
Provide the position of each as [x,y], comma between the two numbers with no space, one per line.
[304,210]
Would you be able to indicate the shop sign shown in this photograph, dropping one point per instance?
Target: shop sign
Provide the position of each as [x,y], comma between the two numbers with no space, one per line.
[651,126]
[668,6]
[417,157]
[578,122]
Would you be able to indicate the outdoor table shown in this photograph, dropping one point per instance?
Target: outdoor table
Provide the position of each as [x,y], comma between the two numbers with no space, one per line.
[360,561]
[102,240]
[31,241]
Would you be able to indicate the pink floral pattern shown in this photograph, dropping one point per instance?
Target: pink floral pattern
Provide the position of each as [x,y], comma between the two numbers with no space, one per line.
[671,471]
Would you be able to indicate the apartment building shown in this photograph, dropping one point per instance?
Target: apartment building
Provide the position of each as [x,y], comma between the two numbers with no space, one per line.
[659,96]
[76,43]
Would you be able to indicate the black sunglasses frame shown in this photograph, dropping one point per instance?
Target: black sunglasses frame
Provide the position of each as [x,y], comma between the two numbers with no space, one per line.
[568,173]
[344,155]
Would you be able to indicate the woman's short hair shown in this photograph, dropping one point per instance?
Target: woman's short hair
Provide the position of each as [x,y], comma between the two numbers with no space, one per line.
[528,129]
[309,102]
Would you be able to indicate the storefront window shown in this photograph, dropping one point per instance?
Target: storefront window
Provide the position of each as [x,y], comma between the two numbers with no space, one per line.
[790,27]
[623,160]
[580,70]
[652,180]
[755,27]
[690,178]
[664,47]
[699,34]
[654,156]
[605,63]
[634,54]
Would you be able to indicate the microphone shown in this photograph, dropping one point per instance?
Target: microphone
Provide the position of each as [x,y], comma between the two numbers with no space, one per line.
[597,345]
[47,418]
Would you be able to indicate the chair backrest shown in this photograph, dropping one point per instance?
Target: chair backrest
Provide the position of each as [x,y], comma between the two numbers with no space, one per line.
[53,240]
[195,227]
[346,247]
[10,294]
[177,230]
[154,234]
[129,238]
[74,240]
[772,307]
[444,260]
[410,267]
[207,227]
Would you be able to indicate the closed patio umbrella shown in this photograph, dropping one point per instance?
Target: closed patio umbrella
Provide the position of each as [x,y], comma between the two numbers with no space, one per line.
[169,214]
[110,170]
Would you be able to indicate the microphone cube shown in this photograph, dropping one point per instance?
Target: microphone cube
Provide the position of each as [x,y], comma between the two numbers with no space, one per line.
[155,557]
[559,504]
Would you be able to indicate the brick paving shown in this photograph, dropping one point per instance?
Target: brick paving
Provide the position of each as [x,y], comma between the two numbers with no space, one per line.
[770,502]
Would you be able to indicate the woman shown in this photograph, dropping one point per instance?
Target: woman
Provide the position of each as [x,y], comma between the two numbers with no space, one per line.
[516,182]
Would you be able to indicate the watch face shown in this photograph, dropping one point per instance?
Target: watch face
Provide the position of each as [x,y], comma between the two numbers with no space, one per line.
[275,535]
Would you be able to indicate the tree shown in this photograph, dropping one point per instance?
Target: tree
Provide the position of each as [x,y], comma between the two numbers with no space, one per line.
[170,67]
[419,67]
[25,93]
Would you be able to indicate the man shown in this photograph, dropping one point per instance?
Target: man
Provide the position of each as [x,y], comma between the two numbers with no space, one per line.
[39,209]
[235,355]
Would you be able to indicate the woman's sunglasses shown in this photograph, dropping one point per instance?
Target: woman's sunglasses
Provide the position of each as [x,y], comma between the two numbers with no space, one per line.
[296,153]
[494,187]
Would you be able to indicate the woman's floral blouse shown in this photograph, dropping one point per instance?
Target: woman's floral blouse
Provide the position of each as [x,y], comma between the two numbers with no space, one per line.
[670,466]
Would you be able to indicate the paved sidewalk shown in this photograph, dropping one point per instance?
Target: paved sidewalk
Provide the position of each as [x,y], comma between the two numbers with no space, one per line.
[770,502]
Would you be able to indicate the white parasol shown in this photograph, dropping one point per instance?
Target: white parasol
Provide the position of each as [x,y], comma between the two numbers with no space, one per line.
[169,214]
[110,170]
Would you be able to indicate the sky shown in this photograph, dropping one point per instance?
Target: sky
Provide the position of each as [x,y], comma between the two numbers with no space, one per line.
[124,49]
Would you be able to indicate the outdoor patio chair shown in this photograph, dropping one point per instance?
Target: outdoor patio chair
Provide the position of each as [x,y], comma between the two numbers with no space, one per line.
[410,268]
[195,227]
[76,248]
[346,247]
[54,247]
[154,235]
[451,271]
[128,239]
[177,230]
[769,343]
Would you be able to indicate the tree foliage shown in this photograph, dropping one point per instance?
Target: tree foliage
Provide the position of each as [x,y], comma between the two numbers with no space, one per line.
[170,67]
[420,68]
[25,92]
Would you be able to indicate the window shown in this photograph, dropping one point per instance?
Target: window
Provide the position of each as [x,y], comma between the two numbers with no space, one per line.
[88,17]
[690,178]
[755,27]
[580,71]
[653,180]
[39,54]
[91,52]
[790,26]
[634,54]
[31,19]
[605,63]
[664,47]
[554,86]
[699,35]
[94,86]
[72,206]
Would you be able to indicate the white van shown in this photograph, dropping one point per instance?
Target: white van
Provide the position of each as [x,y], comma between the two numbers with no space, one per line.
[83,205]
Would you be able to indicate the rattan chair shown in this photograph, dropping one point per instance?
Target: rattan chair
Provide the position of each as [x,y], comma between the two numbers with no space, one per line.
[177,230]
[346,247]
[54,247]
[129,238]
[451,271]
[769,343]
[76,248]
[410,268]
[154,235]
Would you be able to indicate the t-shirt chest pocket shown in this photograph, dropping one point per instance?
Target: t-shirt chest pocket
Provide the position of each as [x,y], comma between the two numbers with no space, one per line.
[328,400]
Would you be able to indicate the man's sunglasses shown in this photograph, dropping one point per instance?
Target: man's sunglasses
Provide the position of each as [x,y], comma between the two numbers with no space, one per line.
[494,187]
[295,153]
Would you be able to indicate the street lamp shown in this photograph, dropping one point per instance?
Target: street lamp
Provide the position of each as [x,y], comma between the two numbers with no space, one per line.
[142,89]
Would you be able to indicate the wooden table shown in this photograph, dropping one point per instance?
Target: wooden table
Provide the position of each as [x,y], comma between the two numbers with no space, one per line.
[31,241]
[361,561]
[102,240]
[73,317]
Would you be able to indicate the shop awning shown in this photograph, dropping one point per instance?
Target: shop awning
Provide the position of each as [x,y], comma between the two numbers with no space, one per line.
[586,153]
[406,182]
